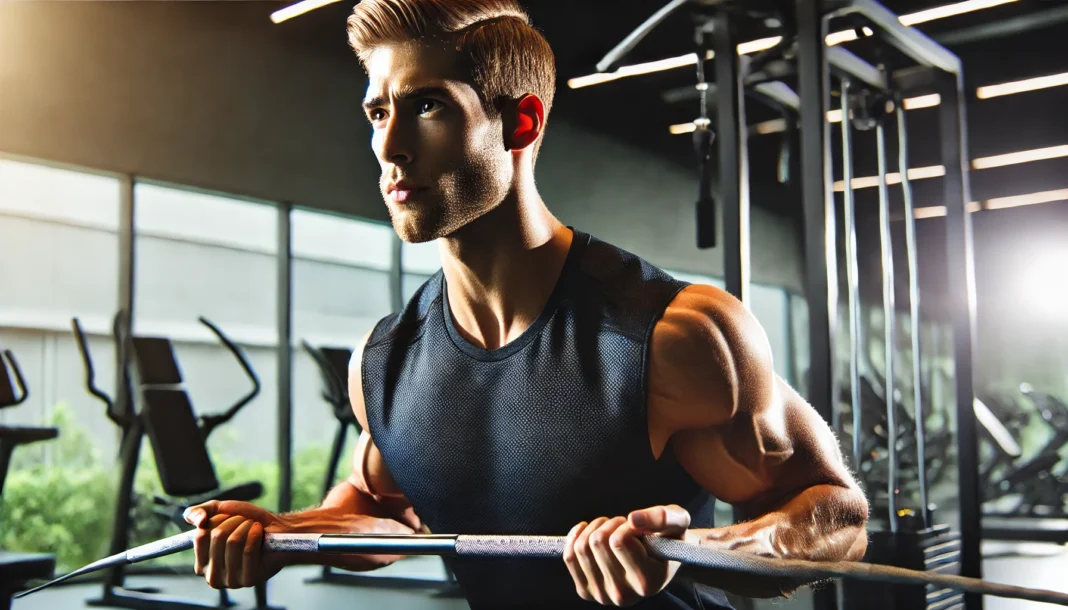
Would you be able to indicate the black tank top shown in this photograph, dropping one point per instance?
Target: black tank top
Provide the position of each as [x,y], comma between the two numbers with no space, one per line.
[538,435]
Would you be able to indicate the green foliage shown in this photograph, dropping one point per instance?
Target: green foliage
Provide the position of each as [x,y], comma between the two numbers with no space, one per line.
[60,495]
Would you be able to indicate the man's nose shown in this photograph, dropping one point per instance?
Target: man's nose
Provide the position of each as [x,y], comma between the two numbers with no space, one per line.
[397,142]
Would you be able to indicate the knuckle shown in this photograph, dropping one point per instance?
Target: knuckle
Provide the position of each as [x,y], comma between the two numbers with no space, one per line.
[217,537]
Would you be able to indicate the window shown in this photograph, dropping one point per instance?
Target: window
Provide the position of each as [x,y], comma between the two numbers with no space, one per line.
[59,230]
[199,254]
[418,263]
[341,288]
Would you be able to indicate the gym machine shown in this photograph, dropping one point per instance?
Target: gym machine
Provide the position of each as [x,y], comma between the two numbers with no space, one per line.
[796,54]
[16,569]
[153,403]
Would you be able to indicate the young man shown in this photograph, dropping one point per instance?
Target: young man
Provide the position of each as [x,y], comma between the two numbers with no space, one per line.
[545,382]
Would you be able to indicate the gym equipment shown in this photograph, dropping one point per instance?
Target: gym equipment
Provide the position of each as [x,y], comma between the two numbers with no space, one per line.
[151,401]
[553,547]
[16,569]
[333,365]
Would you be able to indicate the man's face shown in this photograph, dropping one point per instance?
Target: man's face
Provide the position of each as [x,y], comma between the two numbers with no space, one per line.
[443,158]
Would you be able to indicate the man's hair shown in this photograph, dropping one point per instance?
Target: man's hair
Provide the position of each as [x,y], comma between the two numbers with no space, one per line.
[507,57]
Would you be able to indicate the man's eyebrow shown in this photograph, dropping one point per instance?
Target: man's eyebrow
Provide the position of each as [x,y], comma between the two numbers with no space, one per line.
[404,94]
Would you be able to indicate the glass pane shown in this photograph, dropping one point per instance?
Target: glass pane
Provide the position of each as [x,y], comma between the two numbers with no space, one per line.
[418,263]
[59,231]
[213,256]
[340,290]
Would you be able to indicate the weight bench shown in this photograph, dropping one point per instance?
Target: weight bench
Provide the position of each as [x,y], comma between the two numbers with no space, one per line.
[17,569]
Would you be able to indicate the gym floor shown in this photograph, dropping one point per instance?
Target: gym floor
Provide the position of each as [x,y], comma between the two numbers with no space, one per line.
[1027,564]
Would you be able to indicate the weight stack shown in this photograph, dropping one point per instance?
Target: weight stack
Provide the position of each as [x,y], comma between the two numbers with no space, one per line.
[935,549]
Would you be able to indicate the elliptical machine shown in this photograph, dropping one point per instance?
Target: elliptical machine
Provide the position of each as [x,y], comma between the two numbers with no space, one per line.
[178,437]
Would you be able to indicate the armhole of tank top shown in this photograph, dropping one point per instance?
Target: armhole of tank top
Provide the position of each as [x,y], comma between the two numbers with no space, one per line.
[646,372]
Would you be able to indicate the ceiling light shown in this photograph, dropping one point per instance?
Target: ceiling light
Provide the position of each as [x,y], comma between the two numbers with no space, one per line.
[1023,156]
[1029,199]
[923,101]
[1031,84]
[299,8]
[949,10]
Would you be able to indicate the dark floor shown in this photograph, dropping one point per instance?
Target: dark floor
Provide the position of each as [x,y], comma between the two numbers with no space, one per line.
[1028,564]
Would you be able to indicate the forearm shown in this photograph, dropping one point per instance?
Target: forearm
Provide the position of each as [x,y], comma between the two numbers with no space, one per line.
[822,523]
[345,510]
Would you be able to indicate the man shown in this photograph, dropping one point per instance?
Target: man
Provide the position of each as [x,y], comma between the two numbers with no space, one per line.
[544,382]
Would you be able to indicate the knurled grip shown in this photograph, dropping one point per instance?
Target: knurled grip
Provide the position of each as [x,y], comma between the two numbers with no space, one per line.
[510,546]
[291,543]
[160,548]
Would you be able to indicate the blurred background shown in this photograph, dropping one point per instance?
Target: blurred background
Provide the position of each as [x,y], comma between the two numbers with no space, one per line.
[232,153]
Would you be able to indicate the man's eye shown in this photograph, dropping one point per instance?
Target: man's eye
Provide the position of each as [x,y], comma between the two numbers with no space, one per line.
[426,106]
[377,114]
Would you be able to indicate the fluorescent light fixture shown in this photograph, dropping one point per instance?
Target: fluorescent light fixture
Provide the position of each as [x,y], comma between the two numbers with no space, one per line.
[772,126]
[923,101]
[915,173]
[834,116]
[1031,84]
[762,44]
[682,128]
[1023,156]
[1029,199]
[934,211]
[635,69]
[756,46]
[949,10]
[294,10]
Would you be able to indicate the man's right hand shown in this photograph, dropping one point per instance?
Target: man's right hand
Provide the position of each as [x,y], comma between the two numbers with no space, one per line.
[229,542]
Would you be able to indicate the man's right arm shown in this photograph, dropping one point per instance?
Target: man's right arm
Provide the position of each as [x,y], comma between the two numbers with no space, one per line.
[228,546]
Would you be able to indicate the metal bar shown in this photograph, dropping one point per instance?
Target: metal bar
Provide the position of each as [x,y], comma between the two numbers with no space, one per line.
[821,267]
[961,279]
[887,251]
[852,273]
[1005,27]
[781,93]
[731,137]
[914,306]
[284,259]
[616,54]
[912,42]
[852,66]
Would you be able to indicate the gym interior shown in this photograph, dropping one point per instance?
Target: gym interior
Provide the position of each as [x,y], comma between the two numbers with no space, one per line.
[188,201]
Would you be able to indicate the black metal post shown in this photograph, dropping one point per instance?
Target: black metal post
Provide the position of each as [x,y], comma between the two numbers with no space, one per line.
[821,269]
[961,278]
[731,138]
[285,357]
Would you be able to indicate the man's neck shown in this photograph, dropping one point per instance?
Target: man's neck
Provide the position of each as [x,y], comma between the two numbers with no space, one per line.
[501,269]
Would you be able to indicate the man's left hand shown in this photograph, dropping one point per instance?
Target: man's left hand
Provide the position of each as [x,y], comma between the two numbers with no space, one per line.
[608,560]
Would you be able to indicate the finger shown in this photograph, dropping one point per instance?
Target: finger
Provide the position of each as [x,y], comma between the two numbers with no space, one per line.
[216,575]
[671,520]
[251,561]
[586,560]
[571,561]
[645,574]
[235,553]
[202,544]
[195,515]
[616,587]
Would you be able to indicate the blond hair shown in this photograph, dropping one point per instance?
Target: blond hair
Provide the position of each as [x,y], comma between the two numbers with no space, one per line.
[507,56]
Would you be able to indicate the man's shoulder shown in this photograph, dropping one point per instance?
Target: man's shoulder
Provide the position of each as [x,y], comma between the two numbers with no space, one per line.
[412,314]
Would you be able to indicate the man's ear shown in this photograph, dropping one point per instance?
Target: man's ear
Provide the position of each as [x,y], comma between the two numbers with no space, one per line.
[524,120]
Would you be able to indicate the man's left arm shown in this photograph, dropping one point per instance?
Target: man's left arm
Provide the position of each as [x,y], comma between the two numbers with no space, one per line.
[745,436]
[748,438]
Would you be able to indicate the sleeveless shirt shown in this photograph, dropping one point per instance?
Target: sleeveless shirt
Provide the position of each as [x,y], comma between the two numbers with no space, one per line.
[532,438]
